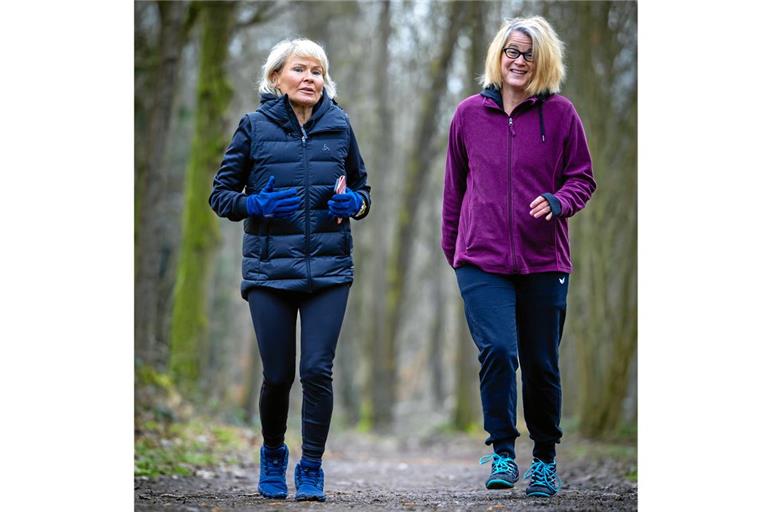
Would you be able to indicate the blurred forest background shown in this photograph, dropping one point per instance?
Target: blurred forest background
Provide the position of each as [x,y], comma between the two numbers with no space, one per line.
[405,363]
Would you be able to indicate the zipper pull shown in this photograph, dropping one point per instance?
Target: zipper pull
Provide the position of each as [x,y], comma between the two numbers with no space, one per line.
[512,126]
[303,136]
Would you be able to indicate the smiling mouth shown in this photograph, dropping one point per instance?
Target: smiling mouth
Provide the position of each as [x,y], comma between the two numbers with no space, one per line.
[518,71]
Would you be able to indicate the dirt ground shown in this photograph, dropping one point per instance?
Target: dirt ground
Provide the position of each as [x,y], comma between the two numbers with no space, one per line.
[364,473]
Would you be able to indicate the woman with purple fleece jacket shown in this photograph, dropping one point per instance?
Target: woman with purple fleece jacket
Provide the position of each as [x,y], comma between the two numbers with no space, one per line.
[517,167]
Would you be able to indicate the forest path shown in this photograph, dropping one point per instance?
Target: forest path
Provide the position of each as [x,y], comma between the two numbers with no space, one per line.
[363,473]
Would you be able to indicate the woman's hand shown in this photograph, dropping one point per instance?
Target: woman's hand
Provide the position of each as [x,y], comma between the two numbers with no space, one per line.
[268,203]
[345,205]
[539,207]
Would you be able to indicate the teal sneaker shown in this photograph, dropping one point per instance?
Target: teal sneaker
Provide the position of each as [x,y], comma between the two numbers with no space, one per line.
[309,482]
[504,472]
[544,479]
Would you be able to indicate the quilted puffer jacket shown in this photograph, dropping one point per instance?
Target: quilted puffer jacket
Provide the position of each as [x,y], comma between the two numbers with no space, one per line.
[308,250]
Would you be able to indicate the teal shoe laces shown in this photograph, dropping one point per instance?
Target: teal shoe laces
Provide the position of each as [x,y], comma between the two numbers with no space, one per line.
[543,474]
[499,463]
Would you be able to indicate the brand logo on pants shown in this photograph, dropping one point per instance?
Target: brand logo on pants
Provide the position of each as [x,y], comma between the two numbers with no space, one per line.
[562,280]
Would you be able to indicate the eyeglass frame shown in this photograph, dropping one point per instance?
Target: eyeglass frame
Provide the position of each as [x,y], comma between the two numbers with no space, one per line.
[527,56]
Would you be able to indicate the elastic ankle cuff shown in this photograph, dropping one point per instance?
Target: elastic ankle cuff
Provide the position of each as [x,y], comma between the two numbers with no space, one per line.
[310,463]
[273,445]
[279,449]
[508,448]
[545,453]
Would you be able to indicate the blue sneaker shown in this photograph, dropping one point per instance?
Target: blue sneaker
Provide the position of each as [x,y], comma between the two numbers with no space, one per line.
[504,472]
[309,482]
[544,479]
[273,463]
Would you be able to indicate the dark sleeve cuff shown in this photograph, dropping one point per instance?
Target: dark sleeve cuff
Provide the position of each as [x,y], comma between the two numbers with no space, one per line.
[241,207]
[554,204]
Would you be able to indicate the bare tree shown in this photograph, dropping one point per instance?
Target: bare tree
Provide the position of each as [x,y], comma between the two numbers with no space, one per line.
[200,229]
[175,20]
[418,161]
[602,317]
[467,408]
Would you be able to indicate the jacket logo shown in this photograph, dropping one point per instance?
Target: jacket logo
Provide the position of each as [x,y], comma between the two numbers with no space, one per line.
[326,148]
[562,280]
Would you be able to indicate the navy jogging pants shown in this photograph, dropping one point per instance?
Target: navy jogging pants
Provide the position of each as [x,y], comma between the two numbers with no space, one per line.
[517,318]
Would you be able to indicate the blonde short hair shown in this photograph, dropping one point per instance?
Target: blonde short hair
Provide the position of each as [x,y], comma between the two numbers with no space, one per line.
[549,69]
[301,48]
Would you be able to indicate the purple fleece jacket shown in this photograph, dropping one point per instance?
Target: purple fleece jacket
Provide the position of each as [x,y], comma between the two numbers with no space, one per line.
[496,166]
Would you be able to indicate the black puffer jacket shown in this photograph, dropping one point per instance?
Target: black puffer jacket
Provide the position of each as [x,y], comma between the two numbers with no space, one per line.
[308,250]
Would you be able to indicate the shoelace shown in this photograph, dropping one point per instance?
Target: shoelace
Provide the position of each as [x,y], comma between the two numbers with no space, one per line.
[543,474]
[310,476]
[500,463]
[274,466]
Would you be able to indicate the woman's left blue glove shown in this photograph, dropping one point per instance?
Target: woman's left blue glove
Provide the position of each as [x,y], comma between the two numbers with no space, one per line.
[345,205]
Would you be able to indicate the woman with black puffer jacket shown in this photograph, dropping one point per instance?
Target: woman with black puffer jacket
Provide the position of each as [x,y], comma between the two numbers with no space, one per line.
[294,173]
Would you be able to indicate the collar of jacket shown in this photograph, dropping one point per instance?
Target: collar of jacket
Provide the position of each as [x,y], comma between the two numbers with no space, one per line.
[494,94]
[279,110]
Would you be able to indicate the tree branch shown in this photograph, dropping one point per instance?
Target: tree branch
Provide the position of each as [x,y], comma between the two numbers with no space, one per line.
[265,11]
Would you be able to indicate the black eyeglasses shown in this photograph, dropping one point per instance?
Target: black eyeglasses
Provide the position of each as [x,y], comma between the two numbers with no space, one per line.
[514,53]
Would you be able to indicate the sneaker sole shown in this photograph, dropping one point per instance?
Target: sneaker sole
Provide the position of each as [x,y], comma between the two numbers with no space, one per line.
[273,496]
[539,494]
[310,498]
[499,484]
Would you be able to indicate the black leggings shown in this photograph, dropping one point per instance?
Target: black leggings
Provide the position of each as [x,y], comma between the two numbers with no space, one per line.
[274,319]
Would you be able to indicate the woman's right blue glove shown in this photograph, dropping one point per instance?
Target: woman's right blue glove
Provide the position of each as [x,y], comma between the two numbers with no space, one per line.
[272,204]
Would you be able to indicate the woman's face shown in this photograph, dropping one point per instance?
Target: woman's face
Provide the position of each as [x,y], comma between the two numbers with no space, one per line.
[301,78]
[517,73]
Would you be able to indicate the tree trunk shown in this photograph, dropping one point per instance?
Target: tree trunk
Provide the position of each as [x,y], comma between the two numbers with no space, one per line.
[380,169]
[437,340]
[150,184]
[200,231]
[602,317]
[467,409]
[417,169]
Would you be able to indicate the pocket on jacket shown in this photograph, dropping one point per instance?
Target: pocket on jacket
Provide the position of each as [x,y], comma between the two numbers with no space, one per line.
[538,237]
[465,223]
[252,245]
[483,227]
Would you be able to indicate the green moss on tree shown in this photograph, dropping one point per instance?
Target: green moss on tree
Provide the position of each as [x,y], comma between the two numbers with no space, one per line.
[200,232]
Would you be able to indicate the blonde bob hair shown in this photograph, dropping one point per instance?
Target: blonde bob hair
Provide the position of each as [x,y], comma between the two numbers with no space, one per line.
[279,55]
[549,70]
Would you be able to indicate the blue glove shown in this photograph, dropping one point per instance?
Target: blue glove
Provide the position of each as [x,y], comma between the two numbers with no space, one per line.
[272,204]
[345,205]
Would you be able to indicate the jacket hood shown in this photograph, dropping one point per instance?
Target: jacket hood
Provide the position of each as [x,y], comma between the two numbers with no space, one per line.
[494,94]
